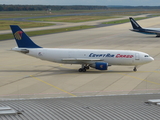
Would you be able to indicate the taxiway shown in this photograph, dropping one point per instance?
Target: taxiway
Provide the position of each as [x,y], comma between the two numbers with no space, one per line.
[23,76]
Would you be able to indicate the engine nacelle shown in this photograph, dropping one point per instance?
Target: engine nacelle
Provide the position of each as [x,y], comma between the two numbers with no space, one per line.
[100,65]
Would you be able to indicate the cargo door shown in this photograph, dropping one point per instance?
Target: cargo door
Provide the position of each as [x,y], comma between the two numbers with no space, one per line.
[137,56]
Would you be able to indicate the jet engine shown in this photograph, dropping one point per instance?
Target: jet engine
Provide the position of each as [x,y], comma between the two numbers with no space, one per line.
[99,65]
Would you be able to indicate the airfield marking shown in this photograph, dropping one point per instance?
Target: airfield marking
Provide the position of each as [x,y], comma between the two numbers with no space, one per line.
[140,78]
[156,72]
[52,86]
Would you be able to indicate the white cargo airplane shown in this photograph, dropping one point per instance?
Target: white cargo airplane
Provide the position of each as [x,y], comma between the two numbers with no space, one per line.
[98,59]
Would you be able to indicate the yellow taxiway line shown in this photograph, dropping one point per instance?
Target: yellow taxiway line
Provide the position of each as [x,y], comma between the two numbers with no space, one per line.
[52,86]
[139,78]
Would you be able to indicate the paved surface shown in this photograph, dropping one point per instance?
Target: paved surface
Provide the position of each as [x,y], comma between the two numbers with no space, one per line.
[27,77]
[125,107]
[66,24]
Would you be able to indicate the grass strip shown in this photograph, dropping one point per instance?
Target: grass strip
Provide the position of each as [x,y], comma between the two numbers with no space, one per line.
[4,25]
[43,32]
[73,19]
[123,21]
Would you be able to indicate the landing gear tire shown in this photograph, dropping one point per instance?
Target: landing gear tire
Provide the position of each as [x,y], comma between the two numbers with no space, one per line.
[82,70]
[135,69]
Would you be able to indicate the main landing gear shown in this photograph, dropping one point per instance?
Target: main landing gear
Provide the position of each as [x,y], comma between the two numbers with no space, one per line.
[135,69]
[83,69]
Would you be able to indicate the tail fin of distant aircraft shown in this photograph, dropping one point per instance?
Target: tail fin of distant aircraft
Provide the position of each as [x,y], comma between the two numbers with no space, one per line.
[22,40]
[135,25]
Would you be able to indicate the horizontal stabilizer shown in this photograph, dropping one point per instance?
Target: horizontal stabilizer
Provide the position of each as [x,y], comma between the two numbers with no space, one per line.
[20,50]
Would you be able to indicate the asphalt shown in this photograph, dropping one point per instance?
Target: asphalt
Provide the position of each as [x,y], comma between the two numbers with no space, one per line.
[23,76]
[97,23]
[41,90]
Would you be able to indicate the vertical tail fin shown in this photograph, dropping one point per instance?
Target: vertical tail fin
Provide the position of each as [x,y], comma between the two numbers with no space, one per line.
[22,40]
[135,25]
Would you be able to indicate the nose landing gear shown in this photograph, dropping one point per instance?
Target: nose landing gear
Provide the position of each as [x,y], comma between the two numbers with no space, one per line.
[135,69]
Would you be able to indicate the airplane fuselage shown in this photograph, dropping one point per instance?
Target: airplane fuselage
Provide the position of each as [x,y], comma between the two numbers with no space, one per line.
[89,56]
[147,30]
[95,58]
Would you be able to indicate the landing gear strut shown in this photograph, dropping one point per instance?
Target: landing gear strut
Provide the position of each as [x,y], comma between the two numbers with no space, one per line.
[83,68]
[135,69]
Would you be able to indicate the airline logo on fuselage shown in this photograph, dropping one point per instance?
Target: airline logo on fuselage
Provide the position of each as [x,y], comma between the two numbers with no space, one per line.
[124,56]
[111,55]
[101,55]
[18,35]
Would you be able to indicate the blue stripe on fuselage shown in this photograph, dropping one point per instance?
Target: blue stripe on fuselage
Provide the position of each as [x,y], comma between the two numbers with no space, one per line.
[145,31]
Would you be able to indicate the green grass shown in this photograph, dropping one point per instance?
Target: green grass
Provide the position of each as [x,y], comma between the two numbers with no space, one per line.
[4,25]
[73,19]
[20,14]
[123,21]
[43,32]
[6,36]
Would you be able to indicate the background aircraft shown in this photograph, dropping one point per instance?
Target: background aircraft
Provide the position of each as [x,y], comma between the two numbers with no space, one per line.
[138,28]
[98,59]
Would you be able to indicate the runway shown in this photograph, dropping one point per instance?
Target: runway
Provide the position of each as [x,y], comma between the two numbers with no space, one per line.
[59,25]
[23,76]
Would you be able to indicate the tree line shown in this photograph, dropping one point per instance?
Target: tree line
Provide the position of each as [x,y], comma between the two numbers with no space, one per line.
[133,7]
[48,7]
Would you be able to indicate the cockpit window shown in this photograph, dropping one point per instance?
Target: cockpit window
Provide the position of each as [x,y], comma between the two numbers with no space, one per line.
[146,56]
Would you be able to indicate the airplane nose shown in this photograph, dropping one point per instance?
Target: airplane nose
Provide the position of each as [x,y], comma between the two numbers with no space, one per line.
[151,58]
